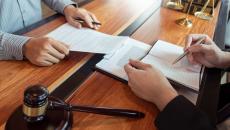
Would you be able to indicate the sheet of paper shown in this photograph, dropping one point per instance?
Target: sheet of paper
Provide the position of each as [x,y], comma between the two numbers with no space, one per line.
[162,56]
[86,40]
[114,63]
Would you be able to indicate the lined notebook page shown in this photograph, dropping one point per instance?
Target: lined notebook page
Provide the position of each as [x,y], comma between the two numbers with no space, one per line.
[162,56]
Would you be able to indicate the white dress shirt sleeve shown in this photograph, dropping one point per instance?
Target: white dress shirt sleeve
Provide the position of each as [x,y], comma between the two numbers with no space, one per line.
[59,5]
[11,46]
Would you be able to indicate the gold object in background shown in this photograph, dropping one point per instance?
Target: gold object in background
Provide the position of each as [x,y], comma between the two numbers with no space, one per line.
[204,15]
[185,21]
[176,5]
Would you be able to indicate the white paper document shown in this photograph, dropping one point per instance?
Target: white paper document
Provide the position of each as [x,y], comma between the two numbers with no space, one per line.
[86,40]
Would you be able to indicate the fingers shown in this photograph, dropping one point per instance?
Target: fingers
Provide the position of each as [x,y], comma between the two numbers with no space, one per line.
[192,38]
[201,48]
[139,65]
[51,59]
[45,51]
[75,13]
[199,59]
[87,18]
[45,63]
[61,47]
[56,52]
[94,18]
[74,22]
[191,59]
[52,51]
[129,69]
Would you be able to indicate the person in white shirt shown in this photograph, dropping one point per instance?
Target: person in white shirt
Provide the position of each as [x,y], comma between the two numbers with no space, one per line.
[42,51]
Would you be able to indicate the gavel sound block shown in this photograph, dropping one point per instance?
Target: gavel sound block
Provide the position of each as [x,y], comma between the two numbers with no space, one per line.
[33,115]
[43,112]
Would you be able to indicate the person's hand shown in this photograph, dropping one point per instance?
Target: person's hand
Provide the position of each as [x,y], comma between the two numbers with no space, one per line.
[44,51]
[72,13]
[149,83]
[207,54]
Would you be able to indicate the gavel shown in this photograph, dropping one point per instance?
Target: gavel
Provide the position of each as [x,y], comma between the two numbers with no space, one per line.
[37,101]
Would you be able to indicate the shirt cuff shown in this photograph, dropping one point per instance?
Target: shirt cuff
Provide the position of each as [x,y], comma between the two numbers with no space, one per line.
[63,4]
[13,45]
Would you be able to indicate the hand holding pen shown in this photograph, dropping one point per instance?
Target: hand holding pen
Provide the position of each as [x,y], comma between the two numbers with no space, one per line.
[186,52]
[82,22]
[77,16]
[207,54]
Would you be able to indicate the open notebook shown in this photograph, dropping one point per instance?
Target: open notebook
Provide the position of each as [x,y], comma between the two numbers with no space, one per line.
[161,56]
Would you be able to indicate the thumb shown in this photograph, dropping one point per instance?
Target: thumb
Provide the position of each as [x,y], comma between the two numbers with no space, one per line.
[139,65]
[74,22]
[128,69]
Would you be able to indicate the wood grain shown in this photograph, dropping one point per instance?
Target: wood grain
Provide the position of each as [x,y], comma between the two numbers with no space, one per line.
[162,26]
[101,90]
[108,92]
[15,76]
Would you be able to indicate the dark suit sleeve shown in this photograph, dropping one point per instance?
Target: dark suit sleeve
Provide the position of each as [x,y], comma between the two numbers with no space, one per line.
[181,114]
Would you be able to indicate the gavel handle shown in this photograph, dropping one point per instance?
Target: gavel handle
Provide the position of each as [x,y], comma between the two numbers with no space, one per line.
[109,111]
[100,110]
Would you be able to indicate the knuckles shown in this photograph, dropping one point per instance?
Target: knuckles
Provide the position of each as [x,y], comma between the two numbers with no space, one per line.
[48,40]
[38,60]
[45,44]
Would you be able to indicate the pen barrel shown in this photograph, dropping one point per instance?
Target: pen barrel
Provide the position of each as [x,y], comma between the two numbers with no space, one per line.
[83,21]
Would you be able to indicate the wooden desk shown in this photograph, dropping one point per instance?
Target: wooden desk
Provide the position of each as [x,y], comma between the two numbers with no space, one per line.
[105,91]
[15,76]
[98,89]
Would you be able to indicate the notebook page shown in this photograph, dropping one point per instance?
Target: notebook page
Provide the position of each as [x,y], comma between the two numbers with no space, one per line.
[163,54]
[86,40]
[114,64]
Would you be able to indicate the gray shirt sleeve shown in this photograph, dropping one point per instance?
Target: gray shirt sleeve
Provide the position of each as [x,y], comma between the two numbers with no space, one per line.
[11,46]
[59,5]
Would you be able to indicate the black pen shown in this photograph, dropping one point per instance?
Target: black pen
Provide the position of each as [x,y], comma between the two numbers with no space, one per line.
[83,21]
[201,41]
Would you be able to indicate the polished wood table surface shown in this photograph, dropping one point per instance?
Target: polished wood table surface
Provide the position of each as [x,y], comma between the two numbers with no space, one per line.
[99,89]
[102,90]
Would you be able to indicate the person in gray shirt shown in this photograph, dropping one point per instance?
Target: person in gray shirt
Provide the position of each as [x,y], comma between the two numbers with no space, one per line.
[42,51]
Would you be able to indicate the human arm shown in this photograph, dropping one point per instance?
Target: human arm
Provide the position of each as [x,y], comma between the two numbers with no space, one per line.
[11,46]
[176,112]
[207,54]
[181,114]
[39,51]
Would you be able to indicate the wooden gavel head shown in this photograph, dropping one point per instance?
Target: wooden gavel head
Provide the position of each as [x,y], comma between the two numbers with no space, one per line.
[35,103]
[34,113]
